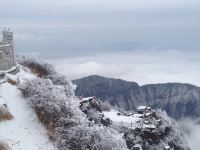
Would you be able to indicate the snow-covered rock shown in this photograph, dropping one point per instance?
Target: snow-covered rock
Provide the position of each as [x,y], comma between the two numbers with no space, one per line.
[145,129]
[150,132]
[93,110]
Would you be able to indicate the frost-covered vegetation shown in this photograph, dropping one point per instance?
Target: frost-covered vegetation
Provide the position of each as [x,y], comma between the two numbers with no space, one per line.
[36,65]
[145,129]
[52,97]
[75,124]
[171,130]
[165,135]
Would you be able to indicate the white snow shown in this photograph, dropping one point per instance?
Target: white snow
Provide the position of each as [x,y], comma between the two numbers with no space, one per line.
[167,147]
[133,121]
[25,131]
[138,115]
[2,102]
[138,146]
[150,126]
[9,70]
[130,121]
[87,98]
[11,77]
[20,76]
[24,75]
[2,80]
[148,114]
[142,107]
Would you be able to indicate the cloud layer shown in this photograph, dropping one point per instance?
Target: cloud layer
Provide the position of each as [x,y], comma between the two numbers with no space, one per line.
[142,66]
[192,132]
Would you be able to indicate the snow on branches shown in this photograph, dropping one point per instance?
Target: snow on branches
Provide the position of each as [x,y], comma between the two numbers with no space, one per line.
[52,97]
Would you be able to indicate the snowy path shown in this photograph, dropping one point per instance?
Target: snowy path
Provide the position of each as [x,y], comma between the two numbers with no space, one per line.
[25,131]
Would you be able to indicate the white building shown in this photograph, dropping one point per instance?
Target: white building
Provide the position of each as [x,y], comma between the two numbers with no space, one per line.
[7,52]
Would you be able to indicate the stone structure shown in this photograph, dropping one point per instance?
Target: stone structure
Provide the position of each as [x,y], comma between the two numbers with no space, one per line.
[7,52]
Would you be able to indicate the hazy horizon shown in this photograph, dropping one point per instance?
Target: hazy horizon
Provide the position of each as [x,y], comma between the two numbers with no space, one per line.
[140,67]
[84,27]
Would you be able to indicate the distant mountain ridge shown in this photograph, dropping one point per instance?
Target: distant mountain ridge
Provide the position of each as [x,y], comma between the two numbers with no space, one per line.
[178,99]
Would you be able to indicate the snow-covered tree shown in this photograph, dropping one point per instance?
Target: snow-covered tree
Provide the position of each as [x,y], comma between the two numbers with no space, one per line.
[52,97]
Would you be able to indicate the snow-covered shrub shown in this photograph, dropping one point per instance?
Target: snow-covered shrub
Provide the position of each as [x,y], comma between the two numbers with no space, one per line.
[50,103]
[49,100]
[172,135]
[67,125]
[47,71]
[94,138]
[37,66]
[61,80]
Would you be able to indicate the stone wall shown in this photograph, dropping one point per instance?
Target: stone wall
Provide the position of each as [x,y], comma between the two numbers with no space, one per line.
[7,52]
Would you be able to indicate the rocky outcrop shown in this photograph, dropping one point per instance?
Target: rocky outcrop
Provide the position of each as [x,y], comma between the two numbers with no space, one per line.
[177,99]
[118,92]
[93,110]
[163,137]
[145,129]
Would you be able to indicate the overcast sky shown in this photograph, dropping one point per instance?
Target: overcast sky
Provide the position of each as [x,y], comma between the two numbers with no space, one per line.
[75,27]
[146,41]
[140,66]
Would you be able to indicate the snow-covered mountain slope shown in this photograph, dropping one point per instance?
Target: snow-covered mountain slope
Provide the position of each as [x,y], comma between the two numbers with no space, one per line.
[177,99]
[24,131]
[47,115]
[53,99]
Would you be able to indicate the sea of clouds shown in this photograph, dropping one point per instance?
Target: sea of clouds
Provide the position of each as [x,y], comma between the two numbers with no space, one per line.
[191,128]
[141,66]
